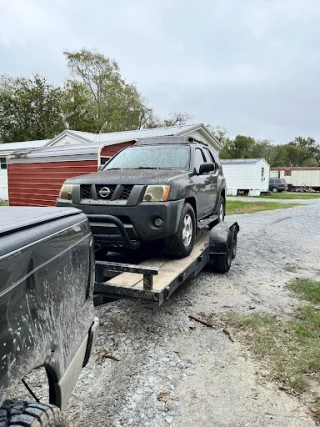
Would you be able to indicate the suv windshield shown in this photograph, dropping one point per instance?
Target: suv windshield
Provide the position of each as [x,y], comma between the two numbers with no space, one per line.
[151,157]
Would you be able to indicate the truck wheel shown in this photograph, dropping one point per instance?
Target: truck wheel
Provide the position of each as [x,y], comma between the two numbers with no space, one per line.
[181,244]
[274,190]
[221,209]
[23,414]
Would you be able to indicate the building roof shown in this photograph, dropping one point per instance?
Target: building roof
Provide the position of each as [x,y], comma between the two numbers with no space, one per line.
[241,161]
[48,154]
[116,137]
[9,147]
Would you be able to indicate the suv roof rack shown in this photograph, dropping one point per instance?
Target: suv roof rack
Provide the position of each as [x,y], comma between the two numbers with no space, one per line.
[155,140]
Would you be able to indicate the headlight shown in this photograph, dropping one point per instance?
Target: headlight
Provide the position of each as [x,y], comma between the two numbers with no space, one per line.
[156,193]
[66,192]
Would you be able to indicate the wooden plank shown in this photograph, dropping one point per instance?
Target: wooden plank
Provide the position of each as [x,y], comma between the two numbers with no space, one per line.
[173,268]
[169,268]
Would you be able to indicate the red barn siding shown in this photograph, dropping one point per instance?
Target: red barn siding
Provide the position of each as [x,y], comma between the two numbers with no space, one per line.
[38,184]
[111,150]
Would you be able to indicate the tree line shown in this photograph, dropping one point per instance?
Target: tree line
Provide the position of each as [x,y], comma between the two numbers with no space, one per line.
[301,152]
[96,98]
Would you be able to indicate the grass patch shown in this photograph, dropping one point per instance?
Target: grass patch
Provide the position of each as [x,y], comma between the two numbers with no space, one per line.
[306,289]
[5,203]
[290,349]
[239,207]
[291,196]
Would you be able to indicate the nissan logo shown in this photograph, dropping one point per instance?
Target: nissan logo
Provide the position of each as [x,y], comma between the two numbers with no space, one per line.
[104,192]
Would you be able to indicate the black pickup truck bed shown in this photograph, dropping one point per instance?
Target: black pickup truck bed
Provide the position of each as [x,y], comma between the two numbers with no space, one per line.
[46,285]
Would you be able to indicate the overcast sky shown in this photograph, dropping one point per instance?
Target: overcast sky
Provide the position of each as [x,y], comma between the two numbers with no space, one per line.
[252,66]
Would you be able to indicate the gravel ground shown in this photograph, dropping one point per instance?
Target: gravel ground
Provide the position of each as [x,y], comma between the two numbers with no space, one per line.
[173,371]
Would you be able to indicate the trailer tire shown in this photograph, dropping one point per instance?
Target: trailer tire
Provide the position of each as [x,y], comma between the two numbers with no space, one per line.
[24,414]
[175,244]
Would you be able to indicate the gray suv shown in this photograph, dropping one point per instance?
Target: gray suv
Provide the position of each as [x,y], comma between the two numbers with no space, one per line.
[277,184]
[157,190]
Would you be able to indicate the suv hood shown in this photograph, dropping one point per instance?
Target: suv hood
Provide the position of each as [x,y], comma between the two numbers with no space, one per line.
[130,176]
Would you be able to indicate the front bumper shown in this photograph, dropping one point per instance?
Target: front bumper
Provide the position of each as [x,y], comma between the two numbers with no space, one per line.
[137,220]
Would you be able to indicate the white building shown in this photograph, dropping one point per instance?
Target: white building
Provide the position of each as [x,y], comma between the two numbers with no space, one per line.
[298,177]
[248,175]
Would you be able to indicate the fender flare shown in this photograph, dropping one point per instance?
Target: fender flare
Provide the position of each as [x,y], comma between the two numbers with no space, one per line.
[221,236]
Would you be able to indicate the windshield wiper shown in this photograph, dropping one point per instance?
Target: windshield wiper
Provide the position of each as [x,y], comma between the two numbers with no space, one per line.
[146,167]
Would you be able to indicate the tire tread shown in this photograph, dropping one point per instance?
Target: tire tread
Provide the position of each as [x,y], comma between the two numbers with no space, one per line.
[15,413]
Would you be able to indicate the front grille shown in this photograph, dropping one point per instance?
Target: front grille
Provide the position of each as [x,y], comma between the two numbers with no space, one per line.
[126,192]
[92,192]
[86,192]
[111,188]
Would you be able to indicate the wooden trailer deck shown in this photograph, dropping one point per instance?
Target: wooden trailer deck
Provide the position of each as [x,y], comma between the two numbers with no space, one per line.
[157,279]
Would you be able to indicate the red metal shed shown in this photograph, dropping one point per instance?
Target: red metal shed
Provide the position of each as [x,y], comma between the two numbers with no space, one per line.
[35,176]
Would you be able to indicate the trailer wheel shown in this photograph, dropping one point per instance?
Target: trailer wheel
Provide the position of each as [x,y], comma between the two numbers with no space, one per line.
[181,244]
[23,414]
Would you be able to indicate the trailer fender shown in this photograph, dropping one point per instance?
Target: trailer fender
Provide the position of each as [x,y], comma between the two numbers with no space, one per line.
[222,236]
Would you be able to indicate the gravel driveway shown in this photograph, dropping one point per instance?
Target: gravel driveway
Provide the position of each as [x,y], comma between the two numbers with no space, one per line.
[174,371]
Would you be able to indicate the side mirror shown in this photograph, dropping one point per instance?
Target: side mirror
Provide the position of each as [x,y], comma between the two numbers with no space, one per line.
[206,168]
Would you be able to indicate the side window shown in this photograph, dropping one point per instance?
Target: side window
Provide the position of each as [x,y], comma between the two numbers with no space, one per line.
[3,163]
[199,158]
[208,155]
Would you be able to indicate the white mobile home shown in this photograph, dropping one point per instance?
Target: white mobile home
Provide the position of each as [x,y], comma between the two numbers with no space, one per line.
[298,177]
[248,175]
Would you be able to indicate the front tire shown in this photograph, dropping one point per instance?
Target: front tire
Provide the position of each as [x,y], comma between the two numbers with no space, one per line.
[24,414]
[181,244]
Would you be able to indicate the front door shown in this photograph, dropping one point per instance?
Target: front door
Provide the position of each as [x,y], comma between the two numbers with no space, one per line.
[205,192]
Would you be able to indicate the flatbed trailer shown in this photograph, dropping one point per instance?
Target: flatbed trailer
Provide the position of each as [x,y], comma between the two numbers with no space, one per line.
[156,278]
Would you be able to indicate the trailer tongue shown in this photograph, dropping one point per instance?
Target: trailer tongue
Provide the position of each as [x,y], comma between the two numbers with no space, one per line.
[157,278]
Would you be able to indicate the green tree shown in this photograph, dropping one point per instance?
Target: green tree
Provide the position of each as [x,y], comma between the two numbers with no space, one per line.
[97,86]
[30,109]
[261,149]
[238,148]
[220,133]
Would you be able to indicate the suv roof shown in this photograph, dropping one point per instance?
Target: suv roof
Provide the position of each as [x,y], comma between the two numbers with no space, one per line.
[156,140]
